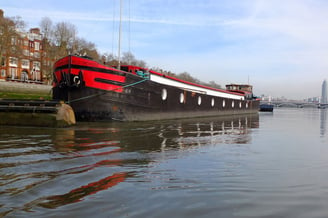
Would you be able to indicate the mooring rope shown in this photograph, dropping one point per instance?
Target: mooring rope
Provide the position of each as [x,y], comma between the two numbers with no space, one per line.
[95,95]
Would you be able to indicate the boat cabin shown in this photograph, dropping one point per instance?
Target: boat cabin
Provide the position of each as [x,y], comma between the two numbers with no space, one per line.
[245,89]
[135,70]
[132,69]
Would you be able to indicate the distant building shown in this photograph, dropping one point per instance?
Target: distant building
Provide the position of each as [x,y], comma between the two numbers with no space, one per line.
[25,65]
[324,93]
[313,100]
[266,98]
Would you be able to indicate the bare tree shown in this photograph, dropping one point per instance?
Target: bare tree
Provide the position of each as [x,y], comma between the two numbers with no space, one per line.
[109,59]
[212,84]
[46,28]
[187,77]
[49,52]
[85,48]
[9,35]
[64,37]
[129,58]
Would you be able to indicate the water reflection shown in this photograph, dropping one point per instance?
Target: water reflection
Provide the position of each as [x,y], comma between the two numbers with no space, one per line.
[201,132]
[323,122]
[49,168]
[78,194]
[186,133]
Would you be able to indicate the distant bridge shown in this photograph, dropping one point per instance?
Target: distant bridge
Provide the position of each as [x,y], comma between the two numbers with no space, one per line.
[296,104]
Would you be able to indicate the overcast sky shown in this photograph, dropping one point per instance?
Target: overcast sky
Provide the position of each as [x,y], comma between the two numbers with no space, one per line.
[279,46]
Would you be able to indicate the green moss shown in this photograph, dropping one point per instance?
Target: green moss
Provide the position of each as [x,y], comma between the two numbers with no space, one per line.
[31,119]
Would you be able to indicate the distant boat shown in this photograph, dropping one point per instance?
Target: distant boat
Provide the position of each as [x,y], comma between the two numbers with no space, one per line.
[267,107]
[98,92]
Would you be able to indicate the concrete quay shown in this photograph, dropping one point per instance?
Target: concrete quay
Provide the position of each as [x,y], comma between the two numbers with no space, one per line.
[25,112]
[20,87]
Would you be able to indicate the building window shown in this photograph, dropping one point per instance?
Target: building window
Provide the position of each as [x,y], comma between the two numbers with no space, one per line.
[37,54]
[26,52]
[25,64]
[3,73]
[3,61]
[37,46]
[36,75]
[13,62]
[25,42]
[36,65]
[13,40]
[13,73]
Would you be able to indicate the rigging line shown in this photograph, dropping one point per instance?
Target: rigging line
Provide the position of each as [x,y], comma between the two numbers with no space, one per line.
[120,35]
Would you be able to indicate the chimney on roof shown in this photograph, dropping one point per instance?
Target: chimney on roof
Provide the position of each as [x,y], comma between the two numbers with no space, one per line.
[35,30]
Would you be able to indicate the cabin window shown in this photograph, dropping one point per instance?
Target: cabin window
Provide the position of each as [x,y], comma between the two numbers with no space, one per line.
[239,104]
[181,98]
[246,104]
[212,102]
[124,68]
[223,103]
[164,94]
[233,104]
[199,100]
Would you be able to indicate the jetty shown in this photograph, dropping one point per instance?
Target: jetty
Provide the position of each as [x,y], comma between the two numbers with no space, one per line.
[40,113]
[33,112]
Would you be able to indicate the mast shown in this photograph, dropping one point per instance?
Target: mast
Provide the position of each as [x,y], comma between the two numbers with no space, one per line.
[119,36]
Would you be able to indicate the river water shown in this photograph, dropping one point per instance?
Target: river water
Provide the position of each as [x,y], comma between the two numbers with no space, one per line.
[266,165]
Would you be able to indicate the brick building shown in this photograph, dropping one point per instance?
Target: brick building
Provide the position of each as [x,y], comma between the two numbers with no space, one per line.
[25,65]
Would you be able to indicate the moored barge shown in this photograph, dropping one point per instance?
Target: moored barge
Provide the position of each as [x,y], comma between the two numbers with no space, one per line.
[97,92]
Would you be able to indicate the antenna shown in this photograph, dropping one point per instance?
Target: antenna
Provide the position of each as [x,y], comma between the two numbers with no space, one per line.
[119,37]
[129,32]
[113,28]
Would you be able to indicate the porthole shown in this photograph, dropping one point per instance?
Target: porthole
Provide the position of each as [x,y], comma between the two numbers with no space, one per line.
[239,104]
[164,94]
[181,98]
[223,103]
[199,100]
[212,102]
[233,104]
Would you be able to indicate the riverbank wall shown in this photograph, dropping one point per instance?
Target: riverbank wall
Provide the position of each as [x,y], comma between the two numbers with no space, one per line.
[20,87]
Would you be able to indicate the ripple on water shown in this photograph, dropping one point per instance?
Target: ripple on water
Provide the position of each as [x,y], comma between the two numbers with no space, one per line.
[198,168]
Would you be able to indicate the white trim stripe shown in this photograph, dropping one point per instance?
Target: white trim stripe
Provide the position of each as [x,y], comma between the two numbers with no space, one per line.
[184,86]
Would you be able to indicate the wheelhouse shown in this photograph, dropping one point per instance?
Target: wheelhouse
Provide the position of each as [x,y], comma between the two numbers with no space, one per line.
[245,89]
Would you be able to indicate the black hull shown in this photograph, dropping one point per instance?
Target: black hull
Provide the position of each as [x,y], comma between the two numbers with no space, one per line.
[147,100]
[266,107]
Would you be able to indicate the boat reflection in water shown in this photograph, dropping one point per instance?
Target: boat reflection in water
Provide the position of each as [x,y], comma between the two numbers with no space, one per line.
[50,168]
[231,130]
